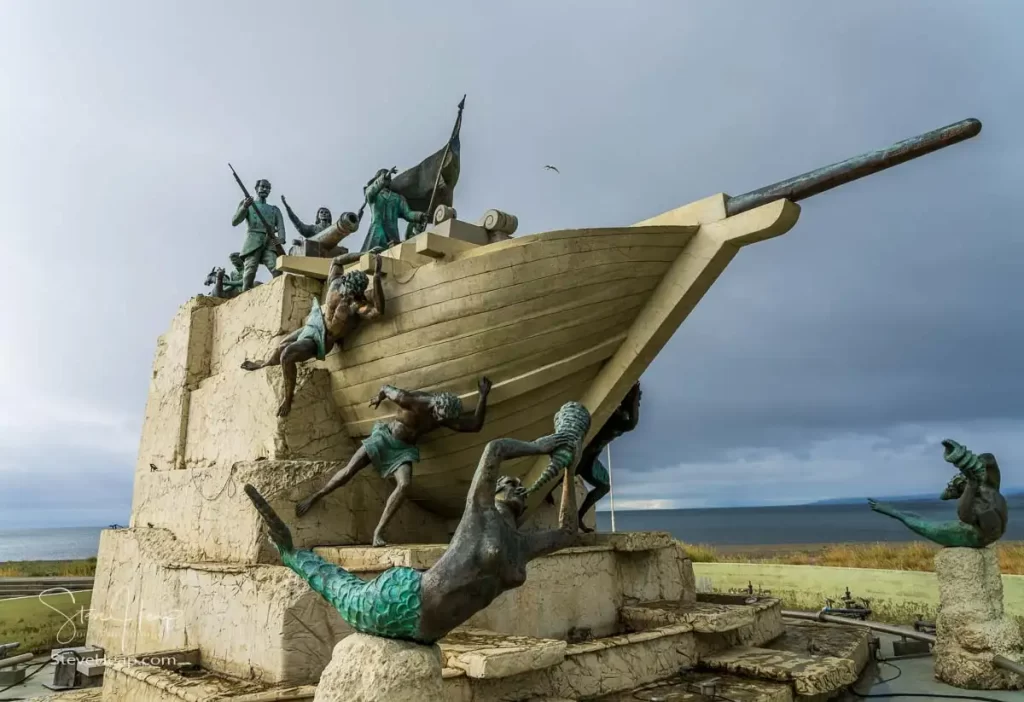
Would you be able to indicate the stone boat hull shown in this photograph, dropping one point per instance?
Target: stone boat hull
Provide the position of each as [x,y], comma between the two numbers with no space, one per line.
[564,315]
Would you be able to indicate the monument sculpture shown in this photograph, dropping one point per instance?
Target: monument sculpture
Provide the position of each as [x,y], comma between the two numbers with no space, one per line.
[561,319]
[227,285]
[971,627]
[345,305]
[323,220]
[264,224]
[981,509]
[487,554]
[624,419]
[386,207]
[432,181]
[321,239]
[391,446]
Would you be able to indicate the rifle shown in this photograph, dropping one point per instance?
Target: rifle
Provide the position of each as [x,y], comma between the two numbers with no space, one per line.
[271,231]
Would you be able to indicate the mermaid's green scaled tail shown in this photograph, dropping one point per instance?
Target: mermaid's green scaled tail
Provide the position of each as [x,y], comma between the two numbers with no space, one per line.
[953,534]
[388,606]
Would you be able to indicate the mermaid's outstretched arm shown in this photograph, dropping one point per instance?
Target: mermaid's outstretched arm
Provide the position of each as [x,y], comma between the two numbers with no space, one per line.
[481,492]
[952,533]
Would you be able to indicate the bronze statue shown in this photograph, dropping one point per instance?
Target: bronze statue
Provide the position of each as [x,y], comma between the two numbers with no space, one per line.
[345,305]
[227,285]
[391,446]
[623,420]
[264,224]
[323,220]
[321,238]
[486,557]
[387,207]
[981,509]
[432,181]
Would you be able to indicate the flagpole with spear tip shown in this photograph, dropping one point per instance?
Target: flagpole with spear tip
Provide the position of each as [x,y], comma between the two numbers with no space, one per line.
[440,166]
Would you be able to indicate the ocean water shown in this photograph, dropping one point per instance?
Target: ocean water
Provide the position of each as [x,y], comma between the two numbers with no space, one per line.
[800,524]
[49,544]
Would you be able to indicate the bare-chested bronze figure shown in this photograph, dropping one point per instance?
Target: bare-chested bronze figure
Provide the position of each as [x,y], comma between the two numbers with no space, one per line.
[391,446]
[487,555]
[345,306]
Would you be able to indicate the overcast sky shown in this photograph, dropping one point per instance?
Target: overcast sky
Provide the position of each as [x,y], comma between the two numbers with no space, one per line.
[826,363]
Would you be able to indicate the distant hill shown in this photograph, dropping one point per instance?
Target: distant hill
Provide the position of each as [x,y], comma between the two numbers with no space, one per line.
[924,497]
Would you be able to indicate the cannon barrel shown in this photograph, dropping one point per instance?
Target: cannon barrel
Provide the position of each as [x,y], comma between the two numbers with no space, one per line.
[822,179]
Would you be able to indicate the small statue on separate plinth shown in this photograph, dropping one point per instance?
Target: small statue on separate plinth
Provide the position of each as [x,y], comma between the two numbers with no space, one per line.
[980,507]
[486,557]
[623,420]
[391,447]
[386,207]
[971,627]
[227,285]
[345,306]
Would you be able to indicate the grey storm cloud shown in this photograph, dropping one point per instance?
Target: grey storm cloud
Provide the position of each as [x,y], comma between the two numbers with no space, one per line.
[818,363]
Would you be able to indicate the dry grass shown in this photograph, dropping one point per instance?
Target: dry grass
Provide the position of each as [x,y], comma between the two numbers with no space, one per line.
[42,569]
[916,555]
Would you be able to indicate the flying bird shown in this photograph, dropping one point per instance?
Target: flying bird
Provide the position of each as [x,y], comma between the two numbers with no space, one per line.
[552,168]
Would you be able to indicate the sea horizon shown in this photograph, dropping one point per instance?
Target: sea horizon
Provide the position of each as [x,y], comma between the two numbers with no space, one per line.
[769,525]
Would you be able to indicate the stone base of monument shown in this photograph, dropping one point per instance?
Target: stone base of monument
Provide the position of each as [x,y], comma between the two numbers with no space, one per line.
[971,627]
[371,669]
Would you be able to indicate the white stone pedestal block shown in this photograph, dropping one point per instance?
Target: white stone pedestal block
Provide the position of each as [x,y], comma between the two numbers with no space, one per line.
[372,669]
[971,626]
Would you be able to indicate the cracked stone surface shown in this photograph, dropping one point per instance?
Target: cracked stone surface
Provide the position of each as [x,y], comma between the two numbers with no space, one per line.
[485,654]
[971,626]
[703,617]
[208,509]
[685,688]
[823,639]
[372,669]
[809,675]
[94,694]
[257,622]
[601,667]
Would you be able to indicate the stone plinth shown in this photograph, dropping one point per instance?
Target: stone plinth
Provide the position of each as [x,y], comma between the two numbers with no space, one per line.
[971,626]
[371,669]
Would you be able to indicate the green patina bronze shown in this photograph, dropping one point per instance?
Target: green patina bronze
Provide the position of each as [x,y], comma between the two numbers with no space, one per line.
[573,420]
[981,509]
[315,328]
[388,453]
[390,605]
[386,207]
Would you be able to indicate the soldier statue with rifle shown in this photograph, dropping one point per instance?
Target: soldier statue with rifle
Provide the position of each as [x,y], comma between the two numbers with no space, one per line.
[264,225]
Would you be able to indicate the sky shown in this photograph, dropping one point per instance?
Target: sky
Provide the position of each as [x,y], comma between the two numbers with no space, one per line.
[827,363]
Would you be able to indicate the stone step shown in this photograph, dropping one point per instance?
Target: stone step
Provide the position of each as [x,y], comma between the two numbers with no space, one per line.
[702,617]
[486,654]
[589,670]
[808,674]
[821,639]
[687,687]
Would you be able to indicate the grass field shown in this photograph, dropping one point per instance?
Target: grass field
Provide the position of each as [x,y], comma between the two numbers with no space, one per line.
[42,569]
[916,555]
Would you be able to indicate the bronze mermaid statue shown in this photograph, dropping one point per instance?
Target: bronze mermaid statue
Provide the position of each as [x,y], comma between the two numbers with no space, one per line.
[486,557]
